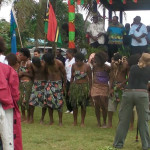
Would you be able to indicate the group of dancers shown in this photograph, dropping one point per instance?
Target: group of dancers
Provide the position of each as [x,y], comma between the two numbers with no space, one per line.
[44,83]
[48,81]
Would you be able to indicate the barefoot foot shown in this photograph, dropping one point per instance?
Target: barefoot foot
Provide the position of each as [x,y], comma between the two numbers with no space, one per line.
[60,124]
[31,121]
[75,124]
[108,126]
[82,125]
[51,123]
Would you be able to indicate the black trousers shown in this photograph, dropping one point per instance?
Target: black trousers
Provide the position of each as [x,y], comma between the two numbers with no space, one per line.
[95,44]
[1,146]
[138,50]
[68,104]
[113,48]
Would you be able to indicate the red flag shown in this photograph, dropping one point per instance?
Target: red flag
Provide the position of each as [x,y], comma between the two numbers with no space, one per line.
[52,25]
[109,1]
[98,1]
[135,1]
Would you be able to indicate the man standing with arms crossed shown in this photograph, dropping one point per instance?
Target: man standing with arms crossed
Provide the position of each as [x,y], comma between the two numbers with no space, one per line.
[138,33]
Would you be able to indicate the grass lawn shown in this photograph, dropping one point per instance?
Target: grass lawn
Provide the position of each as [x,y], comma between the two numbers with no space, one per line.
[68,137]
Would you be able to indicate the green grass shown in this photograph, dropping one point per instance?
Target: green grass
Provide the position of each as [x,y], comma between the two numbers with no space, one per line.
[68,137]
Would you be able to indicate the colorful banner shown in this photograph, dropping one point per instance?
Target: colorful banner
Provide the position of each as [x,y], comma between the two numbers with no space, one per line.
[123,1]
[71,9]
[80,2]
[135,1]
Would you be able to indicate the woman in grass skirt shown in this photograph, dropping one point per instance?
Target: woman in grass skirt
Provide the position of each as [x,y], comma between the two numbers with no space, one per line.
[25,86]
[80,87]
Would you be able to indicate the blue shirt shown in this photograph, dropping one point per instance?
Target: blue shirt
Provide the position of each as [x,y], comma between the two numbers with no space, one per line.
[115,33]
[136,33]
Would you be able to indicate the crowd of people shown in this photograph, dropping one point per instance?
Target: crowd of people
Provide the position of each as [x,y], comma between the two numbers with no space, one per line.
[107,79]
[128,39]
[128,79]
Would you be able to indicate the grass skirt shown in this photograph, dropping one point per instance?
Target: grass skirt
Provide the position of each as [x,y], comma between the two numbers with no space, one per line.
[25,88]
[79,94]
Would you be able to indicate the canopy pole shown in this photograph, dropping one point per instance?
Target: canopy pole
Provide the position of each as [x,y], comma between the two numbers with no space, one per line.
[121,17]
[104,14]
[110,15]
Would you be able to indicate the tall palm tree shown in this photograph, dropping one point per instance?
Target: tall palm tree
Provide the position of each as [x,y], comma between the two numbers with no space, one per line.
[30,18]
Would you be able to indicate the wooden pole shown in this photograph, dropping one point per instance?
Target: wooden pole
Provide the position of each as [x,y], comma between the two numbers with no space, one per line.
[19,36]
[104,14]
[17,26]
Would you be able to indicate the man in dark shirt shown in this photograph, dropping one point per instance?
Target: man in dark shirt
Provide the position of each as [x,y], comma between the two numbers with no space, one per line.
[59,56]
[127,37]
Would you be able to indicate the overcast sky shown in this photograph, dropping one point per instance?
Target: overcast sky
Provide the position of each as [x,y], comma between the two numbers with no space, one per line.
[5,14]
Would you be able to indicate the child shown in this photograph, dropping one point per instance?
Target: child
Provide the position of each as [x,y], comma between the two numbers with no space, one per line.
[13,61]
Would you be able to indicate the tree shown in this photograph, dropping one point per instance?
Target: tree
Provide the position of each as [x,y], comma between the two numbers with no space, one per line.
[30,16]
[5,32]
[27,13]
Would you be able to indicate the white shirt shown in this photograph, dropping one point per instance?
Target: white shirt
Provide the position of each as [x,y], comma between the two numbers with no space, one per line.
[68,67]
[108,64]
[3,60]
[95,29]
[142,30]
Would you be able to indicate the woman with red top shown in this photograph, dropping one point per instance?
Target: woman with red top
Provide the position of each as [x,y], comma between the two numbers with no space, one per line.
[9,95]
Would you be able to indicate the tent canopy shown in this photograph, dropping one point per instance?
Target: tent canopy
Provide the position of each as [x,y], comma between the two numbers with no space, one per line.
[129,6]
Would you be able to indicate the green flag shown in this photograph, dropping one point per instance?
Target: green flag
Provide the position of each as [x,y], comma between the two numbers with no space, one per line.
[59,41]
